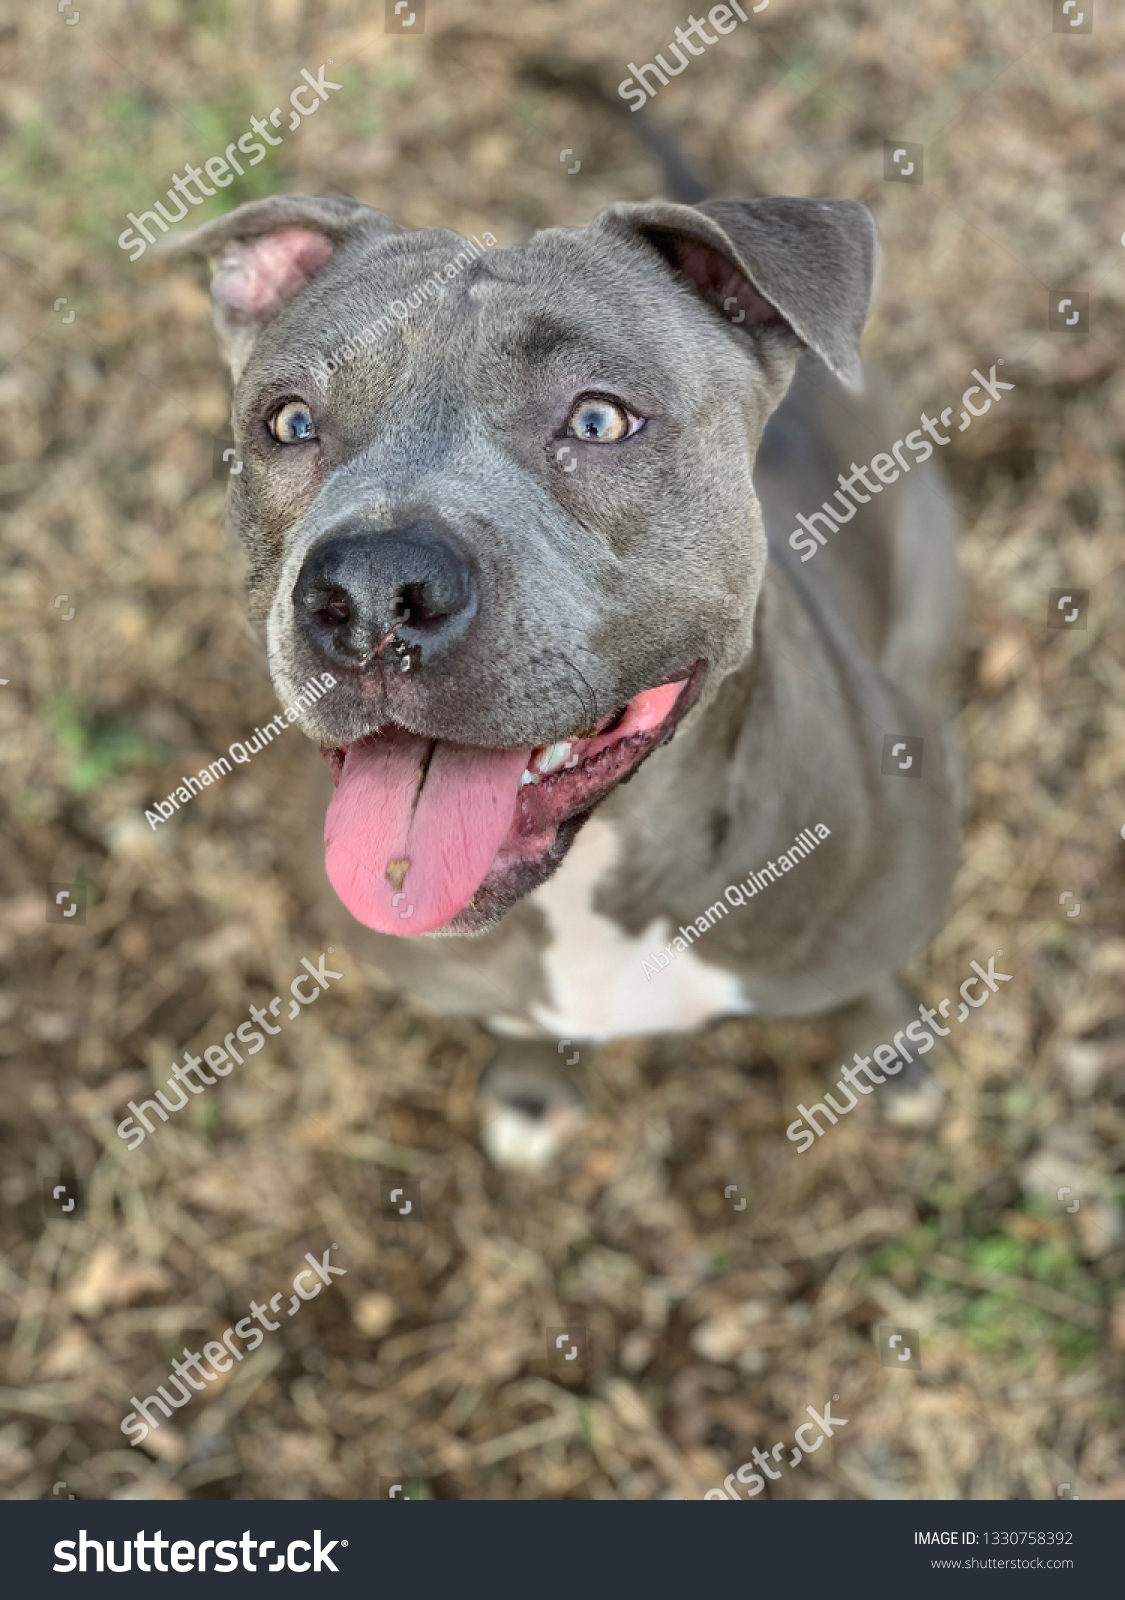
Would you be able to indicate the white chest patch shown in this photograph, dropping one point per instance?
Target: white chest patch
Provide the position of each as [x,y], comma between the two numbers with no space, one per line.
[597,985]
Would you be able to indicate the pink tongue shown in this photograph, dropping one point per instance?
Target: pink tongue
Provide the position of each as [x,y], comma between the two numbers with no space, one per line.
[406,853]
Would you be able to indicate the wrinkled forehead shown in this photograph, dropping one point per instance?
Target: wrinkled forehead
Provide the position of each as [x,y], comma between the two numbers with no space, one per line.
[436,311]
[566,292]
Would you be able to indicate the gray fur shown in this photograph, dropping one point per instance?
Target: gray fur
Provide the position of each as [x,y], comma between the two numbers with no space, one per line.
[650,556]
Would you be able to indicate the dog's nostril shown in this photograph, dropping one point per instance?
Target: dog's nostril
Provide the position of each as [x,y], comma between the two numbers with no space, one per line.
[336,609]
[411,605]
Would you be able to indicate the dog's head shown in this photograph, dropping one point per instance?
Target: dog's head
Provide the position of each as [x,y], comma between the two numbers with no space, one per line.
[503,497]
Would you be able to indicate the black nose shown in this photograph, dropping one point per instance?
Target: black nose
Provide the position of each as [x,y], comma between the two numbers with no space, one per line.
[362,591]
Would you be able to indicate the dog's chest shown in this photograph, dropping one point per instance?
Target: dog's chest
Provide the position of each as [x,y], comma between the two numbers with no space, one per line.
[595,978]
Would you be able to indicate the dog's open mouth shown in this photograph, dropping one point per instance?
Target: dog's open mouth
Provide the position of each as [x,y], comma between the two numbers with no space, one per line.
[424,834]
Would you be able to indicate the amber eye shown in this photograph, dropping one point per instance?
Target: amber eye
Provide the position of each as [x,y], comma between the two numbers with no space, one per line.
[600,420]
[292,423]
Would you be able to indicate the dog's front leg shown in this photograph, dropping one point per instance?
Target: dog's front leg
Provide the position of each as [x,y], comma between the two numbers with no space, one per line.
[528,1102]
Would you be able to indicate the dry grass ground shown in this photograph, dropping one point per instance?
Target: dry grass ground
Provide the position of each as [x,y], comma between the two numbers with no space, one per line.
[710,1330]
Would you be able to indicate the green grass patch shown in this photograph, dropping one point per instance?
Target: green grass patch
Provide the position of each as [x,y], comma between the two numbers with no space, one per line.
[99,750]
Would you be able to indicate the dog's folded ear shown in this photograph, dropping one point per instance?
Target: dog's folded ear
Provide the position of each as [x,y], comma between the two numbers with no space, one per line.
[804,264]
[265,252]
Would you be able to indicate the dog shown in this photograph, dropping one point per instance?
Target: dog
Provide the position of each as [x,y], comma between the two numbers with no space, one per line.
[541,524]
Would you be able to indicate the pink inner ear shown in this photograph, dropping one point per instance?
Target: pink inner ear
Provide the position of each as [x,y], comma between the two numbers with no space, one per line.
[719,282]
[256,276]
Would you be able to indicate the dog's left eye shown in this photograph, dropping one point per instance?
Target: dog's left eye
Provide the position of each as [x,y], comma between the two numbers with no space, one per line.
[601,420]
[292,423]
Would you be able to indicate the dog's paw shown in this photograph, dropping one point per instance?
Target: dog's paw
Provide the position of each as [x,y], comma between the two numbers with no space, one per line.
[526,1117]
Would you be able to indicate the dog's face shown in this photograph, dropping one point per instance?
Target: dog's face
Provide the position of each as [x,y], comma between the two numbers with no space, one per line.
[514,518]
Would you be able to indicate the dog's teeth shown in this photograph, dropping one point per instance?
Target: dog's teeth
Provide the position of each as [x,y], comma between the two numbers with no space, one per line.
[529,777]
[552,758]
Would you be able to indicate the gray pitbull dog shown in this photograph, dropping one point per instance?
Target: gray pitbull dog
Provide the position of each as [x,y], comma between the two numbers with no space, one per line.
[519,521]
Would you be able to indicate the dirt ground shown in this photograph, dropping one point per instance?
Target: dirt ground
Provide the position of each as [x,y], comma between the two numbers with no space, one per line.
[998,1238]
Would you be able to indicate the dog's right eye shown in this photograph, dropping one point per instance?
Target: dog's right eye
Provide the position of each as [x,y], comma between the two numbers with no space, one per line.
[601,420]
[292,423]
